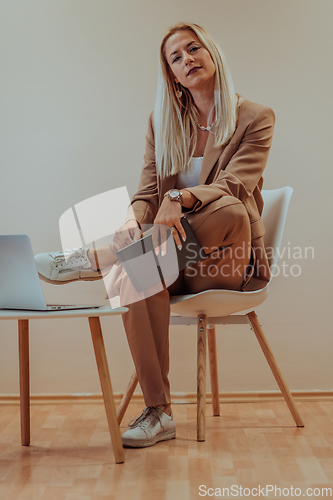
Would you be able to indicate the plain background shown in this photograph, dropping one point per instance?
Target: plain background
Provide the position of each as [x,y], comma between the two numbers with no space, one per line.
[78,81]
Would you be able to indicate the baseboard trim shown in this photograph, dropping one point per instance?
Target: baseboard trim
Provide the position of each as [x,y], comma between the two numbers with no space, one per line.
[177,398]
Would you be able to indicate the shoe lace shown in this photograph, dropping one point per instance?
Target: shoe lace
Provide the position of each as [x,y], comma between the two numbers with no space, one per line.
[69,256]
[149,414]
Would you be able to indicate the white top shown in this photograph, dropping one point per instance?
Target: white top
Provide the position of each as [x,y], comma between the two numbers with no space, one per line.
[190,177]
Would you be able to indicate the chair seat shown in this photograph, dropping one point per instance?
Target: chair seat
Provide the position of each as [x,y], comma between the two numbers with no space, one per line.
[215,303]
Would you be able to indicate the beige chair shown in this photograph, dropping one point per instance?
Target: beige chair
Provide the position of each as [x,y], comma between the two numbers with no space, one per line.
[218,307]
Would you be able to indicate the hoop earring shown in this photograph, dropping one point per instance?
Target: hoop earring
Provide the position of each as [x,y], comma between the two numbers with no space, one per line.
[179,92]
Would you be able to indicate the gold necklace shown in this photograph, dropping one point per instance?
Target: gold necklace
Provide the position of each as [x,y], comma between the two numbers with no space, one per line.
[208,128]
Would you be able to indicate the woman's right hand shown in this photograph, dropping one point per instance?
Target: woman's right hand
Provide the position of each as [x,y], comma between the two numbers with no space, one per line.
[127,234]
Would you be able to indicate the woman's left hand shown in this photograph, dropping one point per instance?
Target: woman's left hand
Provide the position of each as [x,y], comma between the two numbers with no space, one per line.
[168,217]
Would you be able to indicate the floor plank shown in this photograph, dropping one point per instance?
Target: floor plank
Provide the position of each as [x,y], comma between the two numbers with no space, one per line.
[251,444]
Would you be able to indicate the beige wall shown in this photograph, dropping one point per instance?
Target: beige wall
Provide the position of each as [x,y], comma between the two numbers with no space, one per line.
[77,84]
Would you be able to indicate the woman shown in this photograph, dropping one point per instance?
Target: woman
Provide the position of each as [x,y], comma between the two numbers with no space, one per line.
[206,149]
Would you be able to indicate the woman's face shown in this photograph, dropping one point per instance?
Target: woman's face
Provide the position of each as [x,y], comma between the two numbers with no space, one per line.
[190,63]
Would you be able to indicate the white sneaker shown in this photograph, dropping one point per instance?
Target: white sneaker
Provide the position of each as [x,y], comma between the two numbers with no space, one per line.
[152,426]
[65,267]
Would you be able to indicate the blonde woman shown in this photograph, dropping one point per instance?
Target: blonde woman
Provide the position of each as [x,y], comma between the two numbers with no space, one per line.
[206,149]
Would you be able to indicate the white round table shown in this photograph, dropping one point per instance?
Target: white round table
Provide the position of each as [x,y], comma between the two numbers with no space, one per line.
[93,315]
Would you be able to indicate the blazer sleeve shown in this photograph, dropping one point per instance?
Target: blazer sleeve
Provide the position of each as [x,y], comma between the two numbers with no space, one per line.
[145,202]
[245,168]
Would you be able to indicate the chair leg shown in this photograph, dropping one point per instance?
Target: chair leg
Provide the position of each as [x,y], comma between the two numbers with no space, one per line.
[23,340]
[104,376]
[259,333]
[127,396]
[201,377]
[214,382]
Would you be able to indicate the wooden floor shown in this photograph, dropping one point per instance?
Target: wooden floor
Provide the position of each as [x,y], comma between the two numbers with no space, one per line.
[252,444]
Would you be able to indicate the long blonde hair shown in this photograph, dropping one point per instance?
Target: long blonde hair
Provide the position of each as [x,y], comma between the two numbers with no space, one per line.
[175,118]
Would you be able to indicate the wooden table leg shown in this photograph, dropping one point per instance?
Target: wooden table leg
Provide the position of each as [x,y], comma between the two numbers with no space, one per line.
[23,339]
[104,376]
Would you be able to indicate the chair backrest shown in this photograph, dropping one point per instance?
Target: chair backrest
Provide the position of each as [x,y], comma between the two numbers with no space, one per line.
[276,203]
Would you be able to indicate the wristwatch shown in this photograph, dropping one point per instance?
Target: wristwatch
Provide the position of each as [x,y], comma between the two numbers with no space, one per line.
[175,195]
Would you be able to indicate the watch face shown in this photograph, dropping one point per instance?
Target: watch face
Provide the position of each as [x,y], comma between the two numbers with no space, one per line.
[174,193]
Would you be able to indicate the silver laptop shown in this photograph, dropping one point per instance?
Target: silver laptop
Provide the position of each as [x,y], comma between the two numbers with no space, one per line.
[20,287]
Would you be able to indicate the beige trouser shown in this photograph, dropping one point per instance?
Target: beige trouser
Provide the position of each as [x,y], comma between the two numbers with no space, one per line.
[225,224]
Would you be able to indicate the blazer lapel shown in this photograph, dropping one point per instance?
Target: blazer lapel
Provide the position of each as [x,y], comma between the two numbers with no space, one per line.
[210,157]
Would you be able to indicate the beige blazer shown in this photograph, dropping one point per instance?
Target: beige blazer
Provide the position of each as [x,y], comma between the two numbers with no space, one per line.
[234,170]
